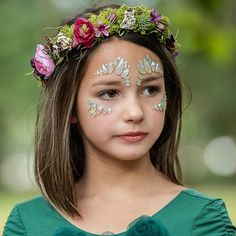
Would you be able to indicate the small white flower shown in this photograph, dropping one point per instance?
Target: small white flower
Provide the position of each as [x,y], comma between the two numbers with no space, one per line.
[129,20]
[64,42]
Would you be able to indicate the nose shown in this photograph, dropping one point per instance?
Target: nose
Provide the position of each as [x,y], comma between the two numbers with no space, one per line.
[133,111]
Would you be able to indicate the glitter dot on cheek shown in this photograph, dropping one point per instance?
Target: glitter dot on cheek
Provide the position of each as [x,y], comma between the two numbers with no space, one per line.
[162,105]
[95,110]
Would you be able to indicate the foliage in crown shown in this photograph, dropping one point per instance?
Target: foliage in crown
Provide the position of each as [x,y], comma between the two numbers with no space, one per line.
[87,32]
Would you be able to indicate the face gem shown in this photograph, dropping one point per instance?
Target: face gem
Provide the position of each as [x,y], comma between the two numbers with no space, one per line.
[95,109]
[162,105]
[110,68]
[105,69]
[147,66]
[118,66]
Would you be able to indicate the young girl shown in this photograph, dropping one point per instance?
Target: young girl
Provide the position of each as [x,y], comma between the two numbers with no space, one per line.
[108,131]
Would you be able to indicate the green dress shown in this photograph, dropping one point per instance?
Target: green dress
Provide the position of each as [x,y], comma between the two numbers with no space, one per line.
[190,213]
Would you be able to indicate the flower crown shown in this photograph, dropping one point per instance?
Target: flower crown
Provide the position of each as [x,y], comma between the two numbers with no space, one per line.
[87,32]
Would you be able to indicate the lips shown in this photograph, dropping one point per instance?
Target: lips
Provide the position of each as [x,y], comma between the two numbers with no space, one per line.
[132,137]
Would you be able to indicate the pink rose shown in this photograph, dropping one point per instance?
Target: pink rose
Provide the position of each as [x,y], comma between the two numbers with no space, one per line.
[43,63]
[84,32]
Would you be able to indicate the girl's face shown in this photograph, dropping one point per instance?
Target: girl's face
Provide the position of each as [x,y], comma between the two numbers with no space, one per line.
[118,101]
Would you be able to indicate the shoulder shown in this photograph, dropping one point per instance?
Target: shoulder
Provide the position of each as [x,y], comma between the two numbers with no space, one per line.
[191,202]
[38,204]
[195,213]
[29,217]
[211,214]
[196,197]
[15,224]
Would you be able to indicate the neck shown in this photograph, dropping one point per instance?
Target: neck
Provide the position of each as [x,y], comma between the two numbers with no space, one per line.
[120,179]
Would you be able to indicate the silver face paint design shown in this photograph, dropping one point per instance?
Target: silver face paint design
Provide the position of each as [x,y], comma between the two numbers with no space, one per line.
[147,66]
[162,105]
[95,109]
[118,66]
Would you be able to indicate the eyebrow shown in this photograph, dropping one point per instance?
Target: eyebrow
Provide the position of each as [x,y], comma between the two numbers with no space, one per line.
[151,78]
[107,82]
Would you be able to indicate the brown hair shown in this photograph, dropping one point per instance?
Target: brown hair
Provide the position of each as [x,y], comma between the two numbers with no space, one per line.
[59,151]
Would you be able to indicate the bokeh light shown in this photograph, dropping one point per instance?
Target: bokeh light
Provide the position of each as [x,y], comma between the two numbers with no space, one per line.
[220,156]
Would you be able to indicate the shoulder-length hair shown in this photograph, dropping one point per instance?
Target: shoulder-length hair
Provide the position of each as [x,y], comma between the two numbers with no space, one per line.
[59,149]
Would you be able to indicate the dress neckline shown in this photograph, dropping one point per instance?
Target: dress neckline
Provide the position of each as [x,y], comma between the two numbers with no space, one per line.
[164,208]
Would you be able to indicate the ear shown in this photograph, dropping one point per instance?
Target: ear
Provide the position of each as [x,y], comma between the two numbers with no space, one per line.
[74,119]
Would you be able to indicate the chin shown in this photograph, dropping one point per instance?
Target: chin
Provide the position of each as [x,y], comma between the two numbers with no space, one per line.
[132,156]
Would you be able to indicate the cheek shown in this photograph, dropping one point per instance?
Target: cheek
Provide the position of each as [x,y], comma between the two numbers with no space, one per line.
[94,122]
[157,119]
[92,116]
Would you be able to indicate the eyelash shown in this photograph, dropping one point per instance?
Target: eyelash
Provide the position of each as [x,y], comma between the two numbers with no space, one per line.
[154,89]
[104,95]
[113,93]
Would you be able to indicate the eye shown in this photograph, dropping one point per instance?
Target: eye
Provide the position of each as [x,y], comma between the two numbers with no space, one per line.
[108,94]
[150,91]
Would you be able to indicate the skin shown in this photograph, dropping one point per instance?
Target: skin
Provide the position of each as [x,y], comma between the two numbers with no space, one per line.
[132,106]
[119,178]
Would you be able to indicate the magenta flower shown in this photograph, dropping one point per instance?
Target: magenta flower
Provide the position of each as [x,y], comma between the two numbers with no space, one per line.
[83,33]
[42,63]
[101,29]
[156,18]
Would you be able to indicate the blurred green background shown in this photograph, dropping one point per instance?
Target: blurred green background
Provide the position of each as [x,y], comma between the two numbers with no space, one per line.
[207,34]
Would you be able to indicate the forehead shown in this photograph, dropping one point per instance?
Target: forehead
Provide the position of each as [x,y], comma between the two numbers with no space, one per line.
[110,50]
